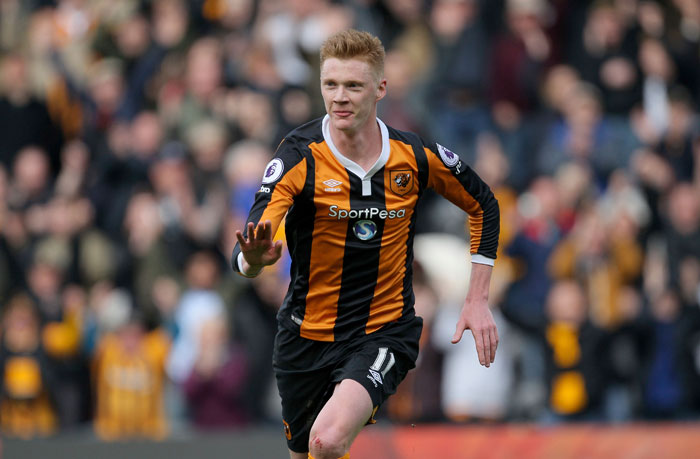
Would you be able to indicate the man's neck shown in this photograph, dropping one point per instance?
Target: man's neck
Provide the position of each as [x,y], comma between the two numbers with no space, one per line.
[363,146]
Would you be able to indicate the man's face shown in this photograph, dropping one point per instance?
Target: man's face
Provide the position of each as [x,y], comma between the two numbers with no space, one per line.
[350,92]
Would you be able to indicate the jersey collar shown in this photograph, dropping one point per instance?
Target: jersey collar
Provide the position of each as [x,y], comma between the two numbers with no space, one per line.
[352,166]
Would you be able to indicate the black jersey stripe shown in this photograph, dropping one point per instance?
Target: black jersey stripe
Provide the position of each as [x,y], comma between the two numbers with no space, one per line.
[409,298]
[360,261]
[299,228]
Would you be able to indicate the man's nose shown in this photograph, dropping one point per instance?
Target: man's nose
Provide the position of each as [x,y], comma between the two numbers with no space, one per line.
[340,95]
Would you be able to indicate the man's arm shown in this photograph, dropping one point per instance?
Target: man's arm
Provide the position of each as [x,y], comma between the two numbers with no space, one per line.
[282,181]
[456,181]
[476,315]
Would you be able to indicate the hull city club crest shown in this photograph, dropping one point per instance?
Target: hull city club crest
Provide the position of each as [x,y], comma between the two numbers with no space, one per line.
[401,181]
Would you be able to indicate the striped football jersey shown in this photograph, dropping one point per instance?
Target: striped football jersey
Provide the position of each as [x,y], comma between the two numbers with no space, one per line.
[350,232]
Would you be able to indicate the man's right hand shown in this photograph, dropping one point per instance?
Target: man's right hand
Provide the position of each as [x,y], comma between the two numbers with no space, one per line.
[257,248]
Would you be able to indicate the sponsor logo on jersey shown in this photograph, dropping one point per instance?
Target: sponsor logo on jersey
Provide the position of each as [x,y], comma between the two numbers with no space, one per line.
[264,189]
[401,181]
[273,171]
[332,185]
[364,229]
[450,159]
[370,212]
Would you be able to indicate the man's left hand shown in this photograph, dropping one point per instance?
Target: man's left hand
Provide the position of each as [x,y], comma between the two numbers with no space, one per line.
[476,316]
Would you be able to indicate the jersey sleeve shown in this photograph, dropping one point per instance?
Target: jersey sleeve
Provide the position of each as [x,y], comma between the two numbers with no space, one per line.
[282,181]
[455,180]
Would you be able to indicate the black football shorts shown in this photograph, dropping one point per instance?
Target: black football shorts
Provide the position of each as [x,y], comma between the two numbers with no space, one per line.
[307,371]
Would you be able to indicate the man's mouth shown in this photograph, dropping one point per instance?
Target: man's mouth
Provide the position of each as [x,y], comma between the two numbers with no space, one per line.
[342,113]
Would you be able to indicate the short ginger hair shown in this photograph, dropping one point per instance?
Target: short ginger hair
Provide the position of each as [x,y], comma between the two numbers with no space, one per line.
[355,44]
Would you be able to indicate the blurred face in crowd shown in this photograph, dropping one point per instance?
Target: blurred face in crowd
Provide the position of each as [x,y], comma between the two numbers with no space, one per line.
[350,92]
[107,85]
[202,271]
[655,60]
[142,222]
[21,325]
[204,68]
[207,141]
[13,76]
[604,25]
[132,35]
[449,17]
[684,209]
[559,86]
[666,307]
[566,302]
[406,11]
[31,171]
[146,134]
[131,336]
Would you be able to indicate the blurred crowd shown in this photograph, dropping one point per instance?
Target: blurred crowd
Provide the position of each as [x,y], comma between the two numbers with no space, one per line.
[133,136]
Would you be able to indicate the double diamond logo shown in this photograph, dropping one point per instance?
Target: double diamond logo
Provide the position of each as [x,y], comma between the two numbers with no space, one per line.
[332,185]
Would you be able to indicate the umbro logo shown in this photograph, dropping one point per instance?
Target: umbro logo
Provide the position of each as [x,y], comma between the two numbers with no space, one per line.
[332,185]
[375,377]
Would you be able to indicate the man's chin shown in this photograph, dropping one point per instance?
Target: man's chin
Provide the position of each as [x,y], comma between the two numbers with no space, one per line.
[342,124]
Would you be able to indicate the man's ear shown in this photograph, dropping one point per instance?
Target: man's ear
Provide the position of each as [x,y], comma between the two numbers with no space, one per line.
[381,89]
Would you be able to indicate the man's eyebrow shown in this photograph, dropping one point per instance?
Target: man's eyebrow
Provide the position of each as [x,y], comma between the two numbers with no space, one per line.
[343,82]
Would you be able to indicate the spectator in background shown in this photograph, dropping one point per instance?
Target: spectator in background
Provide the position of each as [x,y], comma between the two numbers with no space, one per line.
[603,257]
[207,141]
[682,230]
[215,387]
[658,73]
[27,401]
[11,274]
[61,331]
[26,121]
[519,59]
[689,289]
[129,381]
[665,395]
[31,179]
[397,108]
[626,358]
[575,373]
[604,54]
[676,145]
[245,161]
[199,303]
[586,135]
[454,82]
[146,251]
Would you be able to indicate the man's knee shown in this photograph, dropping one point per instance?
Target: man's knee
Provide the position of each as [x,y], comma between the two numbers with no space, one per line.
[328,443]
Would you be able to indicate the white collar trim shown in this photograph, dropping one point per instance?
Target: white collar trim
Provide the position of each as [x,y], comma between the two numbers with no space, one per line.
[352,166]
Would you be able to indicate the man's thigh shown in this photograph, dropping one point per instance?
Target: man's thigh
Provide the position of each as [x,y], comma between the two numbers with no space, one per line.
[378,365]
[303,395]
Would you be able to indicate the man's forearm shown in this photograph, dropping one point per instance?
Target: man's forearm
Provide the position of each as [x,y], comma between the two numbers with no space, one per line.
[479,282]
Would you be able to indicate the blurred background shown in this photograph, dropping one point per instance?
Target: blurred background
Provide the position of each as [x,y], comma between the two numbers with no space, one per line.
[133,135]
